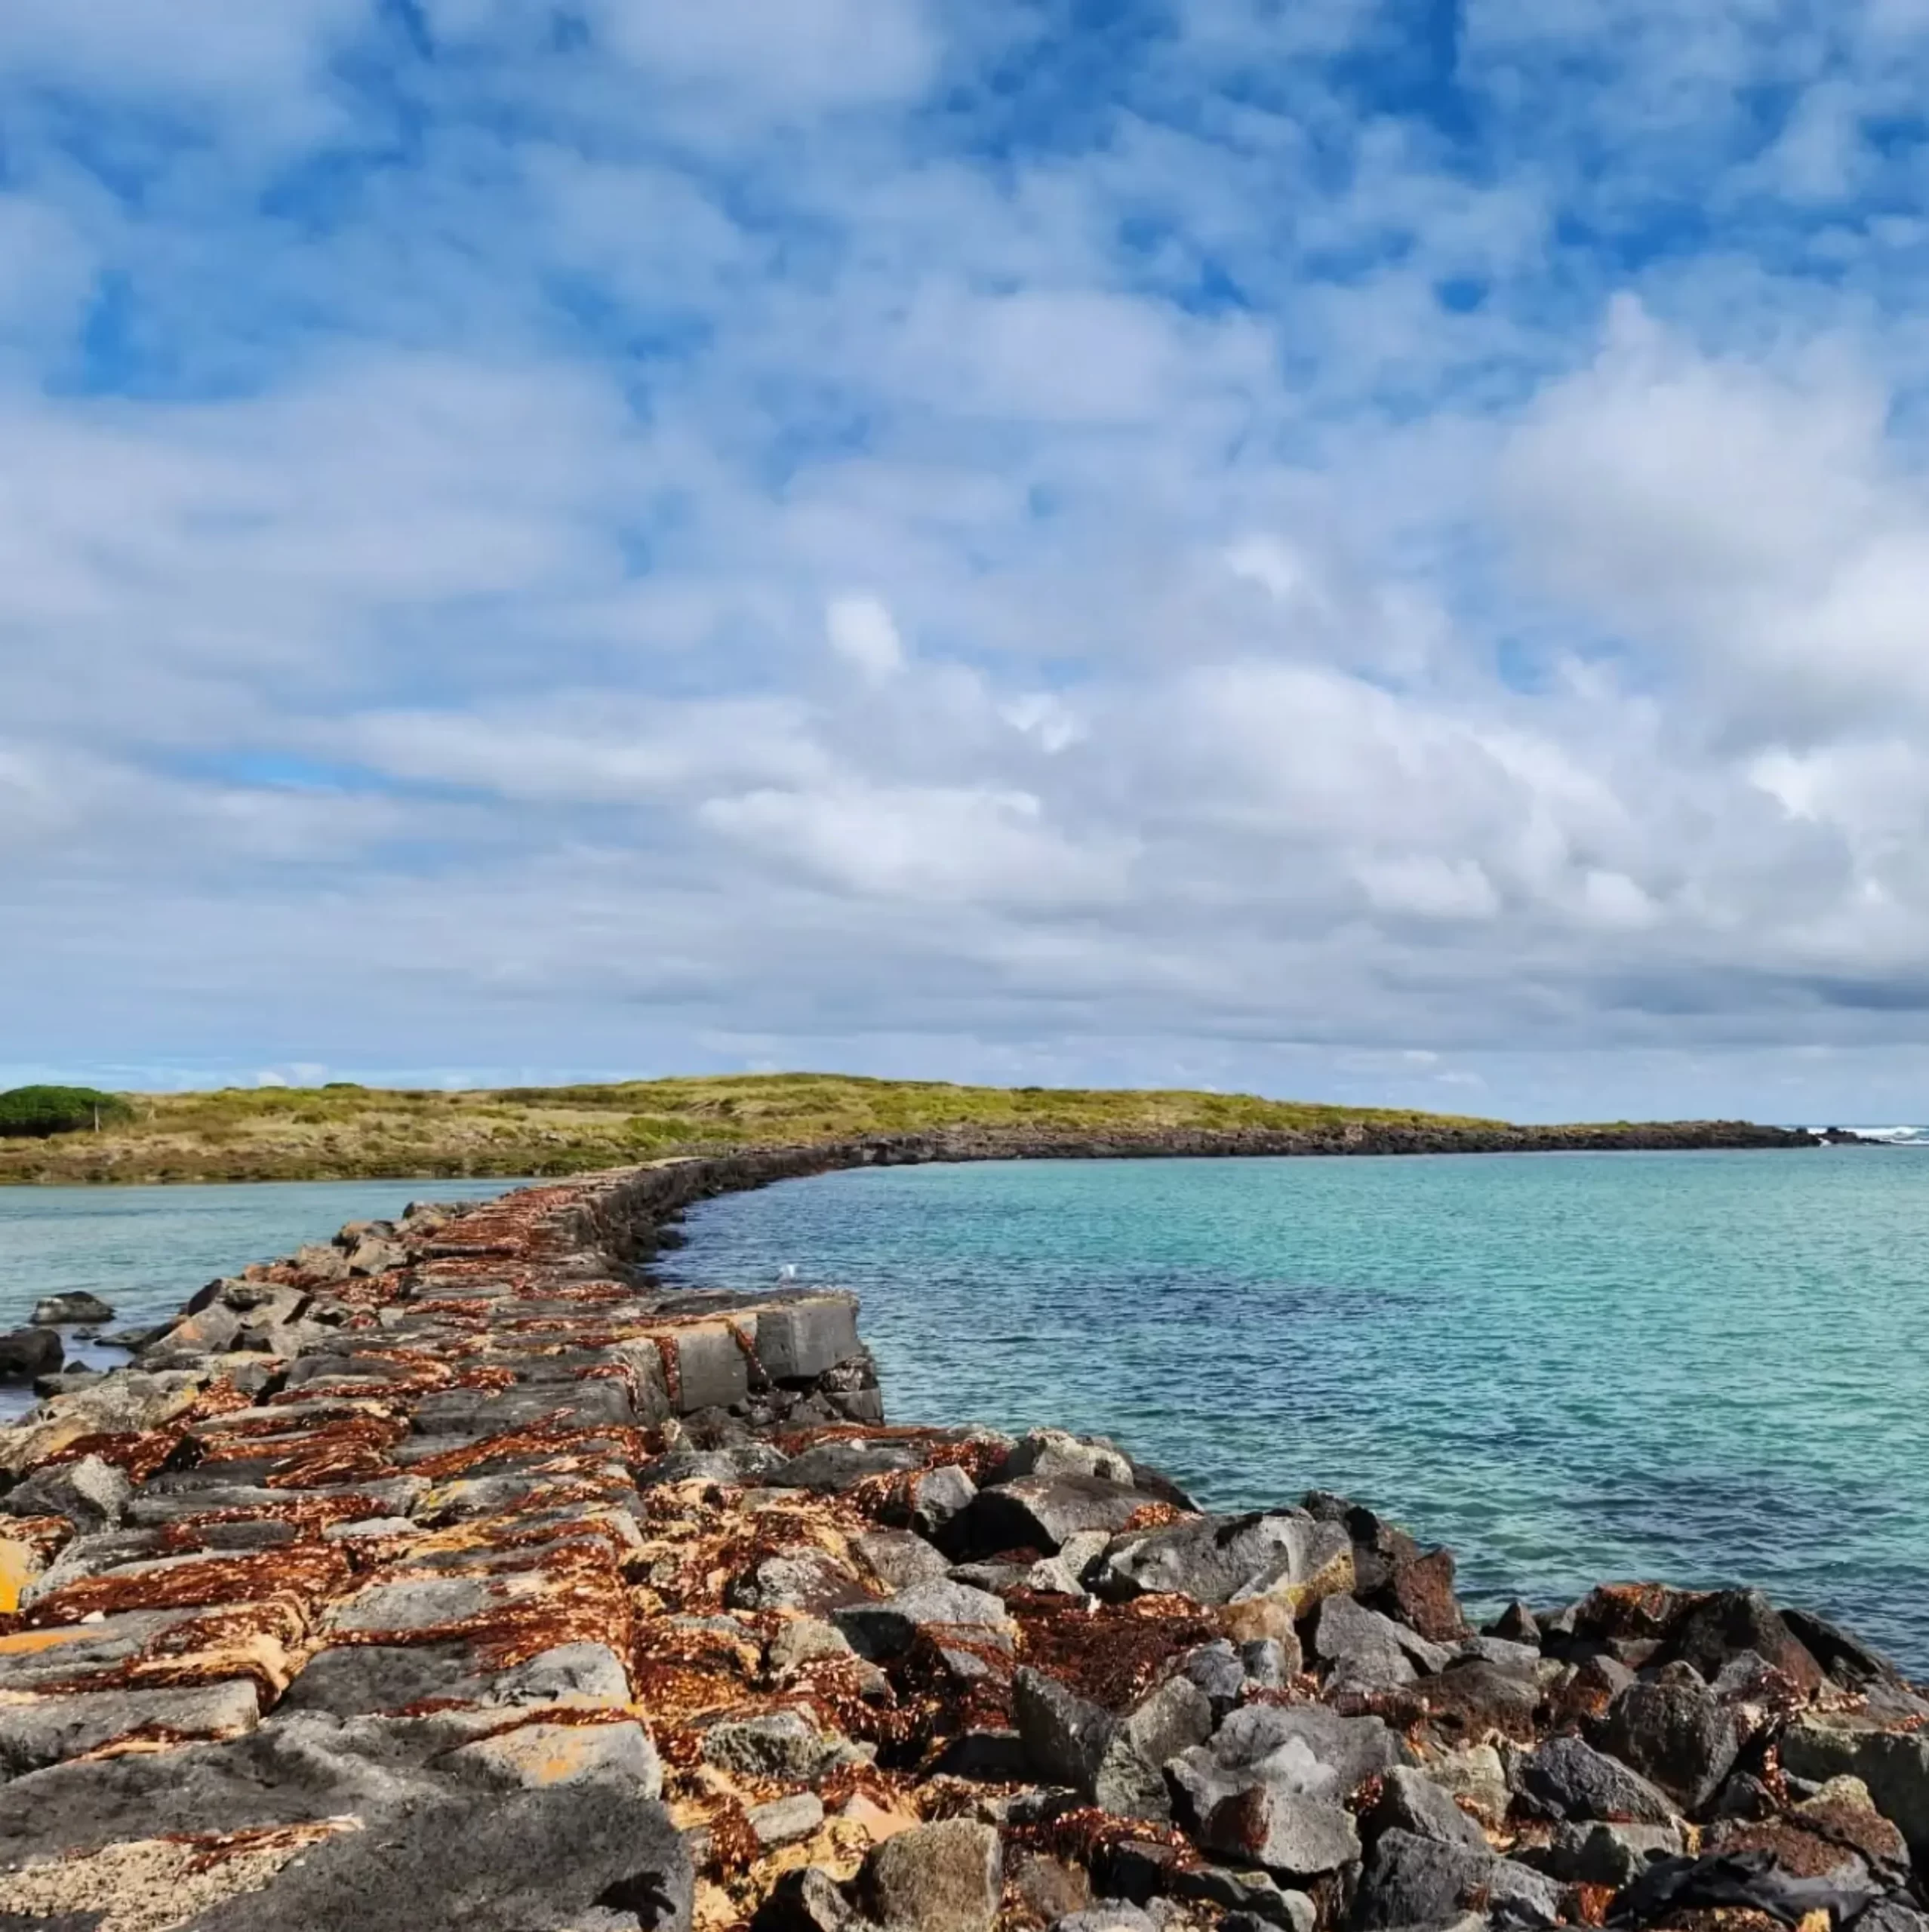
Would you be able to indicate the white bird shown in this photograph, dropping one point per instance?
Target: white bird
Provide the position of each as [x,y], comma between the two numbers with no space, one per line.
[788,1272]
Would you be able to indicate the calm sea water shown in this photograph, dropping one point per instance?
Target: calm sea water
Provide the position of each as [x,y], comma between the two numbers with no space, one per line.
[1713,1367]
[1709,1367]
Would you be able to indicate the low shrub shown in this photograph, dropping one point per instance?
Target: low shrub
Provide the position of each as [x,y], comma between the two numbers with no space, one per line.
[37,1111]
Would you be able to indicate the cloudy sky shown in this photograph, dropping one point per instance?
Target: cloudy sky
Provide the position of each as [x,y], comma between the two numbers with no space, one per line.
[1376,548]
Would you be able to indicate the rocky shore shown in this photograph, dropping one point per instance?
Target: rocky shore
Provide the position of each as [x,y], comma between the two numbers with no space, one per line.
[450,1575]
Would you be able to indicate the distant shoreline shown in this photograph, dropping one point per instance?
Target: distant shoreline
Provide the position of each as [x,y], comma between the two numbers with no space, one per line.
[1349,1139]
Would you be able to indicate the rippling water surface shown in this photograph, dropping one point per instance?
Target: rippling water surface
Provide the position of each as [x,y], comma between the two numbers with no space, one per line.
[1707,1366]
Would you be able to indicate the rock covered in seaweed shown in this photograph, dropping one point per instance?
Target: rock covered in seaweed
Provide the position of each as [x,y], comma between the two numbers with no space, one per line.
[447,1575]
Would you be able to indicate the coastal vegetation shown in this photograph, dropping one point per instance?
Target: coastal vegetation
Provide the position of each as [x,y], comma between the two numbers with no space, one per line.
[351,1133]
[37,1111]
[346,1132]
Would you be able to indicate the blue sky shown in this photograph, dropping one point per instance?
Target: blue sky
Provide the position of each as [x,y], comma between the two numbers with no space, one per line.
[1338,547]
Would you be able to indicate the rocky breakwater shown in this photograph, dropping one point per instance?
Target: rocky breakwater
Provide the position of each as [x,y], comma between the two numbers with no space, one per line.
[448,1576]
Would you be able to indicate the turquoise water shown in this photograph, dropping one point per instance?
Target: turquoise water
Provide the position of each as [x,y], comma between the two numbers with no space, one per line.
[1709,1367]
[145,1249]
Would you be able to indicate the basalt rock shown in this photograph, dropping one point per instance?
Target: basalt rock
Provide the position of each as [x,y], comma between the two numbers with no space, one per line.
[450,1574]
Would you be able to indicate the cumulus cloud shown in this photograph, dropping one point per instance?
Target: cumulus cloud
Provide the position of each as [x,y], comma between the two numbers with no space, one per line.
[1238,549]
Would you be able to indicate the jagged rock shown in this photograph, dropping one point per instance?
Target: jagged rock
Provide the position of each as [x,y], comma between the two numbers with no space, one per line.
[1409,1800]
[1515,1625]
[53,1729]
[1751,1880]
[1849,1661]
[803,1578]
[805,1641]
[899,1559]
[1591,1689]
[934,1497]
[785,1820]
[1255,1895]
[941,1877]
[831,1466]
[1717,1631]
[780,1744]
[1475,1699]
[1893,1765]
[1107,1915]
[1419,1591]
[1413,1880]
[27,1352]
[1113,1760]
[1477,1778]
[1599,1854]
[1567,1778]
[1521,1660]
[1049,1888]
[75,1306]
[884,1627]
[1219,1671]
[1053,1452]
[1364,1647]
[1270,1786]
[755,1463]
[1043,1512]
[1289,1557]
[1269,1662]
[92,1494]
[809,1900]
[1678,1735]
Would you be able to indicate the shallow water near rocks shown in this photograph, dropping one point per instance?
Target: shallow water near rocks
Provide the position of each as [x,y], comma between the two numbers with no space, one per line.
[145,1249]
[1711,1367]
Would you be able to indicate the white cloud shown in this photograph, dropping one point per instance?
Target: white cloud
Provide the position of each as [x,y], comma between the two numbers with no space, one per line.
[862,632]
[850,525]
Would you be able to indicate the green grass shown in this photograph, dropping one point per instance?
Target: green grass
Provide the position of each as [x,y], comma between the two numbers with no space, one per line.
[351,1133]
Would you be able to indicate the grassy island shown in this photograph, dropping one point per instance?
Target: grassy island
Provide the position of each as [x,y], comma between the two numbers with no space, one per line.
[344,1132]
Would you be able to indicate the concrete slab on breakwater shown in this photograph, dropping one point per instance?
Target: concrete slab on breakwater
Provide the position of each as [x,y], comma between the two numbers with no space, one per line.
[450,1575]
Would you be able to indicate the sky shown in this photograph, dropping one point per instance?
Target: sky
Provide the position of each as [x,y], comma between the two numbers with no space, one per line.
[1371,550]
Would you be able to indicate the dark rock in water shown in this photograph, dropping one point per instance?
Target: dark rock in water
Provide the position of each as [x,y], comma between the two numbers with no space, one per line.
[1515,1625]
[941,1877]
[1849,1661]
[1679,1735]
[1732,1622]
[1220,1559]
[1411,1802]
[1043,1512]
[1567,1778]
[76,1305]
[26,1352]
[1412,1881]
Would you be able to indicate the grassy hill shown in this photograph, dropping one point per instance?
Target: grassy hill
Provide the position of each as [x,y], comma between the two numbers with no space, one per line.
[350,1133]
